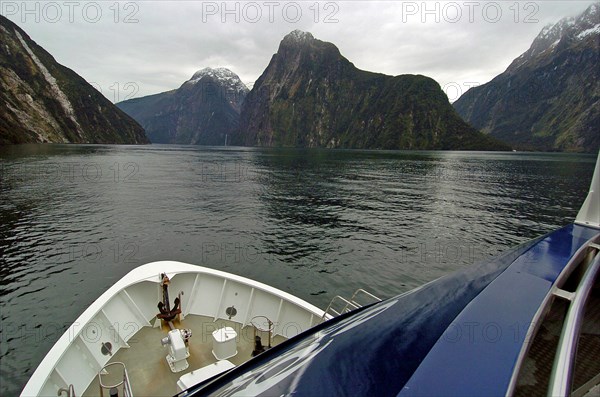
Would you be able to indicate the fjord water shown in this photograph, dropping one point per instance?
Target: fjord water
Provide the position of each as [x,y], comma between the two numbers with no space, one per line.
[315,223]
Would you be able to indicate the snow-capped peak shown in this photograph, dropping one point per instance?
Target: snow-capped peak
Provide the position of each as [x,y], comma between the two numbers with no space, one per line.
[218,73]
[546,30]
[223,75]
[298,36]
[575,28]
[588,21]
[587,32]
[558,35]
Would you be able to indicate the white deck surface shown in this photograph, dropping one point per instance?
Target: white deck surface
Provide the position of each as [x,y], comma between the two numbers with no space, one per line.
[145,361]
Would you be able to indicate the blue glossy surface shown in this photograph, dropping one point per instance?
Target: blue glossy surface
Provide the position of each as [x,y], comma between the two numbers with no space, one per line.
[458,336]
[483,342]
[371,353]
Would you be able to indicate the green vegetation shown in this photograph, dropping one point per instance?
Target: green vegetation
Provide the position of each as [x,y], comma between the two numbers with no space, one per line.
[548,99]
[31,111]
[311,96]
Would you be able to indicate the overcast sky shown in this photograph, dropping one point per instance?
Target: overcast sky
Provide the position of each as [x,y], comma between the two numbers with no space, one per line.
[136,48]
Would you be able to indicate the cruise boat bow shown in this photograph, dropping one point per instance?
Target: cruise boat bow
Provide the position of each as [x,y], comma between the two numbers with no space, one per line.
[166,326]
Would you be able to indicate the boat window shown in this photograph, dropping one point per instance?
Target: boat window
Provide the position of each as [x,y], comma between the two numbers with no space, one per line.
[574,279]
[586,379]
[534,377]
[562,357]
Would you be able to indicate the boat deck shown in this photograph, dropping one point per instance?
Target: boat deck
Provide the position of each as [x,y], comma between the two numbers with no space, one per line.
[148,371]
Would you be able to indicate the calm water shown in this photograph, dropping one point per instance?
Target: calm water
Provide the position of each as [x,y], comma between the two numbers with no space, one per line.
[316,223]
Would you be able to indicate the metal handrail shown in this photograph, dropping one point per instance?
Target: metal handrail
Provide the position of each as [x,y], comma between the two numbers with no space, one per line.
[343,310]
[70,390]
[562,371]
[127,392]
[370,295]
[352,303]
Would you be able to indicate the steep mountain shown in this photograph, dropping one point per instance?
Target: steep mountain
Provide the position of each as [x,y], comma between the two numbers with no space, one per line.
[549,97]
[203,111]
[43,101]
[311,96]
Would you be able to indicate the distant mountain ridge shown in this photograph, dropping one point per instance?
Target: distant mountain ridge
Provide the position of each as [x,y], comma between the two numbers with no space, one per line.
[203,111]
[549,97]
[43,101]
[311,96]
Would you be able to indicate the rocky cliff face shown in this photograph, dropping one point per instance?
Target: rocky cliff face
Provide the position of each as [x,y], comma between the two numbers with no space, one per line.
[549,97]
[203,111]
[43,101]
[311,96]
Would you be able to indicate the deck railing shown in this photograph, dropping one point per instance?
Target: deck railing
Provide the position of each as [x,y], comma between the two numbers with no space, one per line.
[333,309]
[69,390]
[124,383]
[562,371]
